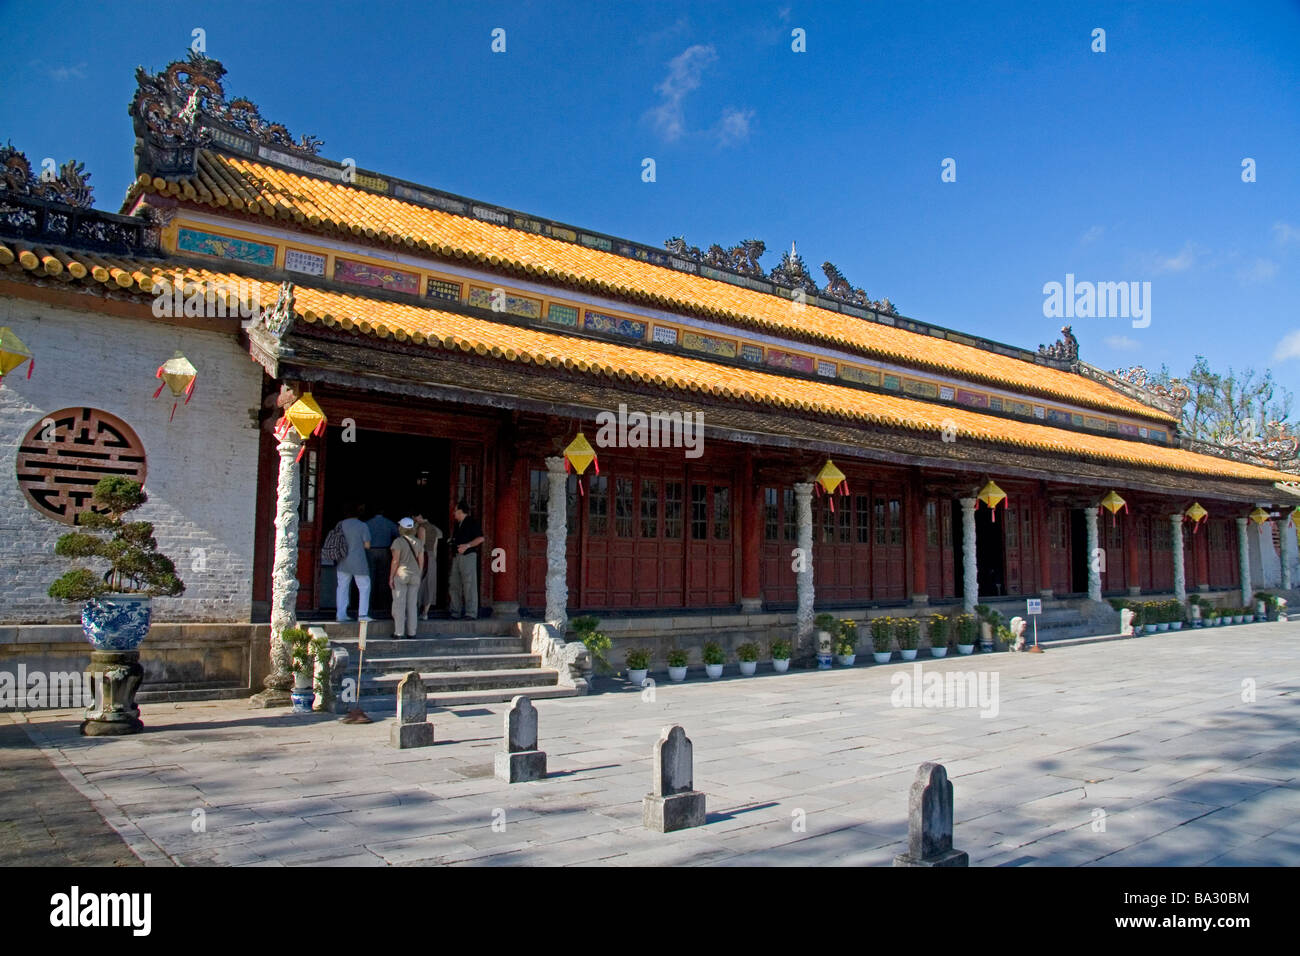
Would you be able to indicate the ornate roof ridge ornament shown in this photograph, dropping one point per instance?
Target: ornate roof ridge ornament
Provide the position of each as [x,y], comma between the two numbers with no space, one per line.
[791,273]
[840,289]
[1137,376]
[177,110]
[1064,349]
[71,186]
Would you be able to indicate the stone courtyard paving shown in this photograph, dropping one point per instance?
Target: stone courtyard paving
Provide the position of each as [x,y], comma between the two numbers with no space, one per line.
[1153,733]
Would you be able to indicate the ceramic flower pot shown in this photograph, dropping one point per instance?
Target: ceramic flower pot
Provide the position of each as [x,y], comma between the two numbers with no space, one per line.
[677,674]
[637,676]
[781,665]
[748,668]
[846,660]
[882,657]
[713,670]
[1176,625]
[303,695]
[1162,626]
[965,648]
[939,651]
[908,653]
[1150,628]
[116,622]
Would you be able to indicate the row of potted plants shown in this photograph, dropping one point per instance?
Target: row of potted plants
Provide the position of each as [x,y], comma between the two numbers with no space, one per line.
[714,657]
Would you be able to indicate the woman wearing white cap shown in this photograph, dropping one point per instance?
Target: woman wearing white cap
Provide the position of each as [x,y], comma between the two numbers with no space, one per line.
[404,578]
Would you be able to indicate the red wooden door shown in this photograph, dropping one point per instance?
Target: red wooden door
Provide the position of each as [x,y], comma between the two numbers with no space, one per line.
[533,547]
[710,562]
[594,591]
[1021,556]
[1058,524]
[776,568]
[834,546]
[888,555]
[1142,525]
[1224,570]
[1162,554]
[311,497]
[939,572]
[1111,535]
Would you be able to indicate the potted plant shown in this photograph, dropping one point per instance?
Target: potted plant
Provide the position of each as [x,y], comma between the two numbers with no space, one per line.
[882,639]
[747,654]
[989,622]
[939,635]
[713,659]
[1150,616]
[1162,615]
[1238,615]
[677,662]
[1194,610]
[846,647]
[908,631]
[597,644]
[298,641]
[967,628]
[1265,606]
[638,665]
[1176,614]
[825,624]
[780,651]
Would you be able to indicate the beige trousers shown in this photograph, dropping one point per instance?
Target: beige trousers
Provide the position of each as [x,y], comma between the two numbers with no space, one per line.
[406,607]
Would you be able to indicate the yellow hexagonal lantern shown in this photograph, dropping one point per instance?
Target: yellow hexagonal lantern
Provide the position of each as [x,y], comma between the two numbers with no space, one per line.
[1196,514]
[13,353]
[829,479]
[305,417]
[992,496]
[1259,516]
[179,375]
[578,454]
[1112,503]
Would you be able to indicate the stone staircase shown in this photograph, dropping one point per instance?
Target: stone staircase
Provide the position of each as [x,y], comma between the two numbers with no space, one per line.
[460,662]
[1062,618]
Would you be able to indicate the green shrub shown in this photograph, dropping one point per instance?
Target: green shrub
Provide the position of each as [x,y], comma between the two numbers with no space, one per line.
[678,657]
[882,634]
[848,642]
[968,628]
[297,641]
[599,645]
[939,629]
[637,659]
[747,651]
[908,630]
[825,622]
[780,649]
[713,654]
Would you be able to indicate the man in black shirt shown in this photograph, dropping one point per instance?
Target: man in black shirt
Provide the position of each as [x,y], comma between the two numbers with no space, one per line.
[465,540]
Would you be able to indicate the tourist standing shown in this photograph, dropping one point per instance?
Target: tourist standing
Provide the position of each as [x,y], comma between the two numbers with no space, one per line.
[355,565]
[429,534]
[404,573]
[382,533]
[465,540]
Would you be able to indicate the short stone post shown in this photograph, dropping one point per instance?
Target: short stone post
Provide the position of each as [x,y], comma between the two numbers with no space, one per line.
[521,761]
[929,821]
[674,804]
[412,728]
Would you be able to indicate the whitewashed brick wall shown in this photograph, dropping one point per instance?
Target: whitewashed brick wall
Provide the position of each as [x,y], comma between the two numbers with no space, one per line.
[202,468]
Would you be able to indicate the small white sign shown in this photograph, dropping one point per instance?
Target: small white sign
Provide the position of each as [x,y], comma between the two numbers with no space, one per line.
[1034,605]
[305,262]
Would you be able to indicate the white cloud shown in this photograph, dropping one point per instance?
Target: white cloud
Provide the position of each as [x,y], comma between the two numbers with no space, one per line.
[1284,232]
[61,73]
[1121,343]
[1288,347]
[733,127]
[1258,271]
[685,73]
[1184,260]
[1092,235]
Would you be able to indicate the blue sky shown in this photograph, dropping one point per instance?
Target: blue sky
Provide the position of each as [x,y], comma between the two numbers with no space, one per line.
[1115,166]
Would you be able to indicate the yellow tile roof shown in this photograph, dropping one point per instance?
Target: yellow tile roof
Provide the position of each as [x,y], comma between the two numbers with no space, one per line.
[452,331]
[246,186]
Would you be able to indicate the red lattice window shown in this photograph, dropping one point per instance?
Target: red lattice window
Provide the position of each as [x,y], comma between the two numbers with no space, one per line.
[65,453]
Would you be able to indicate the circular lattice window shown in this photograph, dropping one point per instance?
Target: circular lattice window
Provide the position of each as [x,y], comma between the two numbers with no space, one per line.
[64,454]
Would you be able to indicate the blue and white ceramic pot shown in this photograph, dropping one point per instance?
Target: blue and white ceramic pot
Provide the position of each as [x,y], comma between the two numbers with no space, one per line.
[303,699]
[116,622]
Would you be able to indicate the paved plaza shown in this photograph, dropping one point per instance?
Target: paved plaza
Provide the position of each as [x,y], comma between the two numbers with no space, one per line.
[1146,751]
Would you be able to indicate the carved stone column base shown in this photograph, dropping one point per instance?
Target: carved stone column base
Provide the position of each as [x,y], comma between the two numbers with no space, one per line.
[115,712]
[920,600]
[271,697]
[1134,592]
[751,605]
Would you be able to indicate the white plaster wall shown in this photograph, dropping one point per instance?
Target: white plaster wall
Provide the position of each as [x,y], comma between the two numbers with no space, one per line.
[202,468]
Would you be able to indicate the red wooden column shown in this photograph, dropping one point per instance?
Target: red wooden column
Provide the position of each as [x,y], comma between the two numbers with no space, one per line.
[511,473]
[1131,545]
[1044,547]
[751,523]
[916,522]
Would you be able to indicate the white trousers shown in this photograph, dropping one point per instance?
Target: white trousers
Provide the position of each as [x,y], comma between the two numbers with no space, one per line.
[406,607]
[343,592]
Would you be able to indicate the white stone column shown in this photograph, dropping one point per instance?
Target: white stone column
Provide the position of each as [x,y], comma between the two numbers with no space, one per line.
[970,568]
[1180,572]
[557,531]
[284,574]
[1287,536]
[1094,569]
[803,627]
[1243,559]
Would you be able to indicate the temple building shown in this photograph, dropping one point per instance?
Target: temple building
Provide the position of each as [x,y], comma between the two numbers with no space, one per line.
[457,349]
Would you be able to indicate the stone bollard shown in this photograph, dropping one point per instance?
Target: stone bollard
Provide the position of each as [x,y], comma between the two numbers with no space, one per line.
[1126,621]
[674,804]
[929,821]
[412,728]
[521,761]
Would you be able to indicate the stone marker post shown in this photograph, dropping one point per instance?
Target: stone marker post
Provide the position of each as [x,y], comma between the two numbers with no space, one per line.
[929,821]
[674,804]
[521,761]
[412,729]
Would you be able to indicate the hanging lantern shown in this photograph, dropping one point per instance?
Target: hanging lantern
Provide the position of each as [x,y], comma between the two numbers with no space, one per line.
[13,353]
[1197,514]
[305,417]
[1112,503]
[177,374]
[829,479]
[578,455]
[992,496]
[1259,516]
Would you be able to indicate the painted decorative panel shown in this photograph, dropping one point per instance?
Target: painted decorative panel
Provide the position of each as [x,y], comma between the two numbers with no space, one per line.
[562,315]
[864,376]
[225,247]
[790,361]
[892,382]
[1019,408]
[596,242]
[513,304]
[613,325]
[442,289]
[995,403]
[1097,423]
[1158,434]
[751,353]
[307,263]
[65,452]
[1076,419]
[974,399]
[826,368]
[665,335]
[1039,411]
[378,277]
[946,393]
[923,389]
[725,348]
[1058,417]
[1126,429]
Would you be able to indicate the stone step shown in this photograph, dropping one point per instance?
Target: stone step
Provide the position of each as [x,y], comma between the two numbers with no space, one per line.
[433,646]
[380,629]
[536,692]
[443,663]
[447,682]
[175,693]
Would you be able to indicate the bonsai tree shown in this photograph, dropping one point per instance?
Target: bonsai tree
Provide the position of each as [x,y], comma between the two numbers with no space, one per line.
[638,659]
[780,649]
[598,644]
[825,622]
[135,565]
[938,630]
[713,653]
[747,651]
[848,643]
[301,647]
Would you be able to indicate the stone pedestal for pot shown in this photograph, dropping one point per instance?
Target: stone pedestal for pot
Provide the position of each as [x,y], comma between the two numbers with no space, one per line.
[115,713]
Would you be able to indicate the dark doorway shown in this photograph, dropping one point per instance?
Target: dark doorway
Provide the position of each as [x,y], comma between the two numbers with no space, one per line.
[400,475]
[1080,559]
[990,558]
